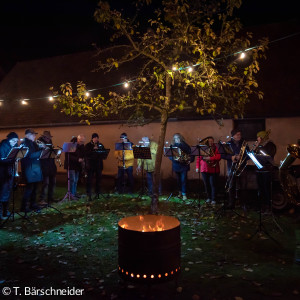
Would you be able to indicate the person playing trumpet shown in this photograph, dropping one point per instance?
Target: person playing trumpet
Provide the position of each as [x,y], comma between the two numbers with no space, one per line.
[210,169]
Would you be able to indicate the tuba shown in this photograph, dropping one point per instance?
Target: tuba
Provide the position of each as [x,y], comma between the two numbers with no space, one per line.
[287,181]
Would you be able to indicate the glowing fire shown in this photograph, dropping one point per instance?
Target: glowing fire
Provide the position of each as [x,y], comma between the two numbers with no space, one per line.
[146,226]
[148,223]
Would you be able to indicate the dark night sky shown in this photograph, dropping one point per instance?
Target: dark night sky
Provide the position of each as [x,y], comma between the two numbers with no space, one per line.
[40,28]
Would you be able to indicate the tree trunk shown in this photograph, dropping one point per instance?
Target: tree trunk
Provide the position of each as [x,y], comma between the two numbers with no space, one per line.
[160,149]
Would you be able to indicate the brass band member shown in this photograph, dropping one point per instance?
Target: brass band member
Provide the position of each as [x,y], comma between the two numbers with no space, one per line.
[148,164]
[266,151]
[6,173]
[31,171]
[210,170]
[94,165]
[125,164]
[239,183]
[49,171]
[181,166]
[75,162]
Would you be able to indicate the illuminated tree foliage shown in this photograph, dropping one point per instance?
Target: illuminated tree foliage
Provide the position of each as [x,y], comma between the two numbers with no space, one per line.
[186,57]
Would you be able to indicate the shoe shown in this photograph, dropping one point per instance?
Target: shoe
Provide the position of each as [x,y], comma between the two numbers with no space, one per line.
[77,195]
[3,218]
[213,202]
[184,197]
[90,198]
[179,195]
[207,200]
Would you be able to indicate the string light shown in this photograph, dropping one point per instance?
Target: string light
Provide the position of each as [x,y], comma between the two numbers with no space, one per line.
[243,55]
[174,68]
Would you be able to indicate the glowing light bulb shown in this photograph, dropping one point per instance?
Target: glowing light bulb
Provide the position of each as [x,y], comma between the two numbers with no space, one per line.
[51,98]
[126,85]
[174,68]
[190,69]
[24,102]
[243,55]
[87,94]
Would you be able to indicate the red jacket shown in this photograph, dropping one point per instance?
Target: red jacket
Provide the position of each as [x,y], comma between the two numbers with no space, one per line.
[204,167]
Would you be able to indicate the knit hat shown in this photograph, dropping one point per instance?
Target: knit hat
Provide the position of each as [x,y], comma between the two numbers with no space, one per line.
[12,135]
[123,136]
[235,131]
[263,134]
[94,135]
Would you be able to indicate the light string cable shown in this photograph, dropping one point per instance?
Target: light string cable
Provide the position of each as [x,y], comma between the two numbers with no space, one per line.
[126,83]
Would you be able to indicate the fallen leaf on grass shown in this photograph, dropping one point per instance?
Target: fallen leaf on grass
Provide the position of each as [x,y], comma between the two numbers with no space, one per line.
[248,269]
[228,275]
[179,289]
[256,283]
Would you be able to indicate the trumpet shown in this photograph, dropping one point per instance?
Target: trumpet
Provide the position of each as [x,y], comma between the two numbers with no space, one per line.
[42,145]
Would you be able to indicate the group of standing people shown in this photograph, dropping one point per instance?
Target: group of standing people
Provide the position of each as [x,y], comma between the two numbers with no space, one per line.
[86,160]
[209,167]
[33,169]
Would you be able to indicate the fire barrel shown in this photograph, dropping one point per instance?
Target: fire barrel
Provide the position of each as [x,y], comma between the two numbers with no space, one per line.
[149,248]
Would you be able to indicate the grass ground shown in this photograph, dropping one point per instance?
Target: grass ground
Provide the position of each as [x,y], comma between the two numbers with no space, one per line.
[79,248]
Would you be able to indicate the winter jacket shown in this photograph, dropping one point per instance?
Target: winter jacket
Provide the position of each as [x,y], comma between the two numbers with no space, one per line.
[93,160]
[204,167]
[31,165]
[72,159]
[6,166]
[149,164]
[128,158]
[176,165]
[48,164]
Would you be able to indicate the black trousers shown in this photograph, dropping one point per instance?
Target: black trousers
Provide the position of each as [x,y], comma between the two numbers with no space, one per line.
[91,173]
[264,182]
[29,197]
